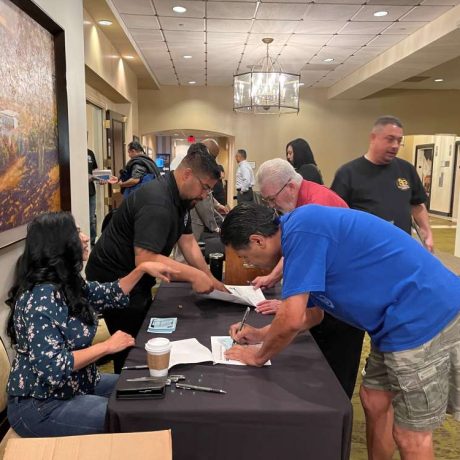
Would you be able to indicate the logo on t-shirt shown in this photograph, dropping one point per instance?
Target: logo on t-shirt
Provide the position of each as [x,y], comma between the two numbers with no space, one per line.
[402,183]
[322,301]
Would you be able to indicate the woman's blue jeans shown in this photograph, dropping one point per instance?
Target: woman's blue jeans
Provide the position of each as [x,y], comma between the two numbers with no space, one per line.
[82,414]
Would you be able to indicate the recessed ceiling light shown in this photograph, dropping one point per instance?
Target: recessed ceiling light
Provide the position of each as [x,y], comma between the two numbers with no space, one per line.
[438,80]
[179,9]
[380,14]
[187,56]
[192,82]
[104,22]
[87,23]
[128,56]
[328,60]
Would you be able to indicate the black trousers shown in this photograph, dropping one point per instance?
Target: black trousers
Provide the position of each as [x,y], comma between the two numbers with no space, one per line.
[341,345]
[244,197]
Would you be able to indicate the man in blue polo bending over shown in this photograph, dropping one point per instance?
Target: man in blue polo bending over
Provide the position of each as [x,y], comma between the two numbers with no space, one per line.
[372,275]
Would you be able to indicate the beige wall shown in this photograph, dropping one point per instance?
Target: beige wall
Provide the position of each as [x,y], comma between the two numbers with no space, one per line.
[337,130]
[69,15]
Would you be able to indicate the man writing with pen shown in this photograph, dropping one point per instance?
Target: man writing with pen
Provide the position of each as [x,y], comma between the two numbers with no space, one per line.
[369,273]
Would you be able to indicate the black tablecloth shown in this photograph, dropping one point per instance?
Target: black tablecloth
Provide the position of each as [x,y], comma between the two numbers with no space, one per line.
[293,409]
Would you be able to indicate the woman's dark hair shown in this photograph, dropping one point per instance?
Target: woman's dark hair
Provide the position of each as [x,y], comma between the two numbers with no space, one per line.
[245,220]
[52,254]
[136,146]
[302,153]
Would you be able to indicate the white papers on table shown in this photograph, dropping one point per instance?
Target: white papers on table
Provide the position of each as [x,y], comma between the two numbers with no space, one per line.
[188,351]
[245,295]
[219,345]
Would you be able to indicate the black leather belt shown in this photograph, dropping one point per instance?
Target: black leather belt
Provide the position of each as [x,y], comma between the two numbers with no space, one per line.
[239,190]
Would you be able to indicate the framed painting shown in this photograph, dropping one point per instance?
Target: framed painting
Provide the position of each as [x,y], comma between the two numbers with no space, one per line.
[34,147]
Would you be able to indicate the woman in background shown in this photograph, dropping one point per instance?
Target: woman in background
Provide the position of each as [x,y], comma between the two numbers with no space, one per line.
[54,387]
[299,154]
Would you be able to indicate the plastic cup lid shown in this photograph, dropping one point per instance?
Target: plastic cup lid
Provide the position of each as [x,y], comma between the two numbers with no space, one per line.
[158,345]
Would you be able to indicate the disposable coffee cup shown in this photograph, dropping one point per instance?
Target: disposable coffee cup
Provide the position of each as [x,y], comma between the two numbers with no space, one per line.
[158,352]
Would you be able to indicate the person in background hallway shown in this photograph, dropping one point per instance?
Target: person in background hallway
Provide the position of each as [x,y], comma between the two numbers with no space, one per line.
[371,274]
[146,227]
[284,189]
[54,387]
[220,190]
[92,165]
[384,185]
[244,178]
[139,169]
[299,154]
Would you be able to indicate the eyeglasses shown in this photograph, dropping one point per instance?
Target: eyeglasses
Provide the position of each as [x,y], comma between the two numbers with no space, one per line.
[271,199]
[206,188]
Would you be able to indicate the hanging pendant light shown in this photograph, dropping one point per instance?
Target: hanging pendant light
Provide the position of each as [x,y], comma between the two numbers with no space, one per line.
[266,89]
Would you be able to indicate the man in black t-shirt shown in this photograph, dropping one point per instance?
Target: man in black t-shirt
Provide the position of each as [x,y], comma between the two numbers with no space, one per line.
[145,228]
[390,188]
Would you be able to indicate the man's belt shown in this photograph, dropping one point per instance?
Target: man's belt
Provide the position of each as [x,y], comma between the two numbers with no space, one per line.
[239,190]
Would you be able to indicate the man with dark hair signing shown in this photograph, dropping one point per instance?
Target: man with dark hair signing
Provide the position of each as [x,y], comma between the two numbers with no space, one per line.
[372,275]
[145,228]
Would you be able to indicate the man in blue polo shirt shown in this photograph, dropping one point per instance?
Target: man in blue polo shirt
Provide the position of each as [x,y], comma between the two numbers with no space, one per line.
[373,276]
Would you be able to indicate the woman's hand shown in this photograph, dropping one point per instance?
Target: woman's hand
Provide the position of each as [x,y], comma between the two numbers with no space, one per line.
[118,342]
[159,270]
[268,307]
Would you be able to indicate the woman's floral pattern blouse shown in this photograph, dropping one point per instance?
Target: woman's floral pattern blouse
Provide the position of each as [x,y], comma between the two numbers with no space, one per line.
[47,336]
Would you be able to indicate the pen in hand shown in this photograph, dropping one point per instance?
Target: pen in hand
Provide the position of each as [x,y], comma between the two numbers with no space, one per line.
[246,313]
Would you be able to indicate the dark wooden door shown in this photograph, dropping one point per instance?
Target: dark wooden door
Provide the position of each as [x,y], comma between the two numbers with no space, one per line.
[116,147]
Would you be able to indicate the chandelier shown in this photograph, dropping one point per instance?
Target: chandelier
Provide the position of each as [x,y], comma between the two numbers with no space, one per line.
[266,88]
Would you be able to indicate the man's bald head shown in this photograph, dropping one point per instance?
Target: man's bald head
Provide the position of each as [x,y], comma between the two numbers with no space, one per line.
[213,147]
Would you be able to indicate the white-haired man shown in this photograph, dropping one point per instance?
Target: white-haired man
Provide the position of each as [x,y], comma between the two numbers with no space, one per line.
[285,189]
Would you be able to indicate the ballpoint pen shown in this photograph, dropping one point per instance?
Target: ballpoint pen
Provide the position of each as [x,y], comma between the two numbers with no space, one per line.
[130,368]
[188,386]
[246,313]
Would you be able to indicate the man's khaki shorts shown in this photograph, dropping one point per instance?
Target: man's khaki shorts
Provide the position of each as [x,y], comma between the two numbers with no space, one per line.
[425,380]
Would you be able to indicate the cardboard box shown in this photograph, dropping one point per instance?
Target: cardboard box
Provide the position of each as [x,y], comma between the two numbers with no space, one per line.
[150,445]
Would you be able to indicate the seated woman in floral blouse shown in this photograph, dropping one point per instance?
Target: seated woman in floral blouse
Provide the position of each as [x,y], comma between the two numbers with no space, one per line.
[54,387]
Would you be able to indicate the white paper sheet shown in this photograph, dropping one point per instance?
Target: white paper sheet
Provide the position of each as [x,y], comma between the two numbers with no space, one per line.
[188,351]
[245,295]
[219,345]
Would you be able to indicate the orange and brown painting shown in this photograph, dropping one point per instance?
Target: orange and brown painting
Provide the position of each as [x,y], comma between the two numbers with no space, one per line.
[29,168]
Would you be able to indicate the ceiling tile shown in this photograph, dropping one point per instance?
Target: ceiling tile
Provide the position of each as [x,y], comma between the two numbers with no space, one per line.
[228,25]
[135,21]
[182,49]
[230,10]
[195,9]
[441,2]
[366,13]
[392,2]
[227,38]
[280,11]
[330,12]
[274,27]
[158,56]
[186,24]
[348,2]
[298,52]
[365,27]
[403,27]
[425,13]
[134,6]
[178,36]
[309,40]
[292,65]
[337,53]
[319,27]
[386,40]
[146,36]
[278,39]
[349,40]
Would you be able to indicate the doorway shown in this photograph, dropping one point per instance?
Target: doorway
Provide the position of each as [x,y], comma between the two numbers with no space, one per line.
[424,166]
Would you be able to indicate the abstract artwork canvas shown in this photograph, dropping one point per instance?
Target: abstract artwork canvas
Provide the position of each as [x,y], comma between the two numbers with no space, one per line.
[29,153]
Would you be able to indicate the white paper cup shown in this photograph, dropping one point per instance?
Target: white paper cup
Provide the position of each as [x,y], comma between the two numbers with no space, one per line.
[158,352]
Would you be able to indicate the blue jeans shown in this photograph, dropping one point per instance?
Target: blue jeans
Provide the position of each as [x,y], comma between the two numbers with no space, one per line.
[82,414]
[92,219]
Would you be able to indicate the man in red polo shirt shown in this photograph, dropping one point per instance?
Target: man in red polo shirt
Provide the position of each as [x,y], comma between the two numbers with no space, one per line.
[284,189]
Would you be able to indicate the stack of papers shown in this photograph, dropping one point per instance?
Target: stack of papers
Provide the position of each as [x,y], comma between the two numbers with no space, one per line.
[245,295]
[162,325]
